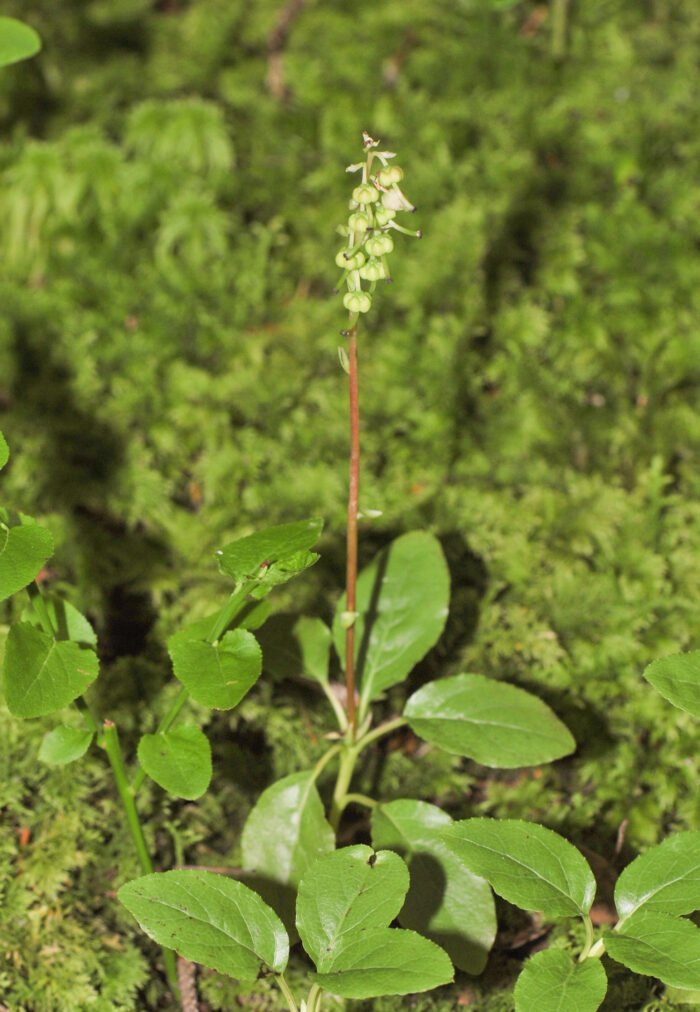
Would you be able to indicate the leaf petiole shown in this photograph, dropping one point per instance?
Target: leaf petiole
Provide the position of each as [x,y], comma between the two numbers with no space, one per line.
[284,988]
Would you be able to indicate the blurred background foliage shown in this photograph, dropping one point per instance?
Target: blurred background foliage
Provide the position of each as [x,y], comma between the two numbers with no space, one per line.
[172,172]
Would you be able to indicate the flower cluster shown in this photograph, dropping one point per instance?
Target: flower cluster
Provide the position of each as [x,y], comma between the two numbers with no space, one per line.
[373,208]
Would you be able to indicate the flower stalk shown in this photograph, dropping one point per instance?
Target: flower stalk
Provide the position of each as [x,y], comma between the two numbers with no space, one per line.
[373,208]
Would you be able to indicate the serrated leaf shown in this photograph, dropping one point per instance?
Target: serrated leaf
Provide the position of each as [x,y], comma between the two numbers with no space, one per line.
[526,864]
[64,745]
[178,760]
[284,834]
[346,900]
[402,598]
[273,555]
[445,902]
[209,919]
[677,679]
[658,945]
[346,893]
[24,548]
[491,722]
[552,982]
[4,451]
[389,961]
[17,41]
[217,675]
[666,878]
[42,675]
[68,622]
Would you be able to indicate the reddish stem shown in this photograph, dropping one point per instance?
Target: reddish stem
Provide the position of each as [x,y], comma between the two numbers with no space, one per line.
[353,500]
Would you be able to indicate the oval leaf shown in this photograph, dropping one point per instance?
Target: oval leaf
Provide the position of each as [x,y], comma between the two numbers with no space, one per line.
[491,722]
[658,945]
[178,760]
[17,41]
[64,745]
[445,902]
[217,675]
[526,864]
[552,982]
[42,675]
[346,893]
[666,878]
[346,900]
[24,548]
[210,919]
[387,961]
[402,600]
[284,834]
[677,678]
[276,550]
[4,451]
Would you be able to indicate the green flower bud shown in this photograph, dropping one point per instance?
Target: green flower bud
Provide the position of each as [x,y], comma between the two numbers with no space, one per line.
[373,270]
[358,222]
[365,193]
[379,245]
[351,262]
[357,302]
[390,175]
[383,215]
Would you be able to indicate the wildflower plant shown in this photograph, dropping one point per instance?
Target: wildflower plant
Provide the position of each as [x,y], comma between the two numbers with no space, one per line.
[295,884]
[430,874]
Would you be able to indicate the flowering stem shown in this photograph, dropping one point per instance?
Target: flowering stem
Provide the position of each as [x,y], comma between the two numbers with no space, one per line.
[353,503]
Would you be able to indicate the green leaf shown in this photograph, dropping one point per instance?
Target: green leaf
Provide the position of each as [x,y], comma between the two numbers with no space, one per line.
[210,919]
[677,678]
[666,878]
[552,982]
[346,900]
[68,622]
[178,760]
[17,41]
[217,676]
[64,744]
[284,834]
[314,639]
[402,600]
[4,451]
[295,647]
[251,617]
[273,555]
[658,945]
[349,891]
[526,864]
[42,675]
[445,902]
[681,996]
[24,548]
[491,722]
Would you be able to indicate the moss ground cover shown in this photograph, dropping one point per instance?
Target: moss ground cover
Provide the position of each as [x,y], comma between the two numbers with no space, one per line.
[168,377]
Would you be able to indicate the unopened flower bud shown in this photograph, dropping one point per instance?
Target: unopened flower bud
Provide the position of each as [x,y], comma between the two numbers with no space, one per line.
[373,270]
[357,302]
[365,193]
[358,222]
[390,175]
[383,215]
[379,245]
[351,262]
